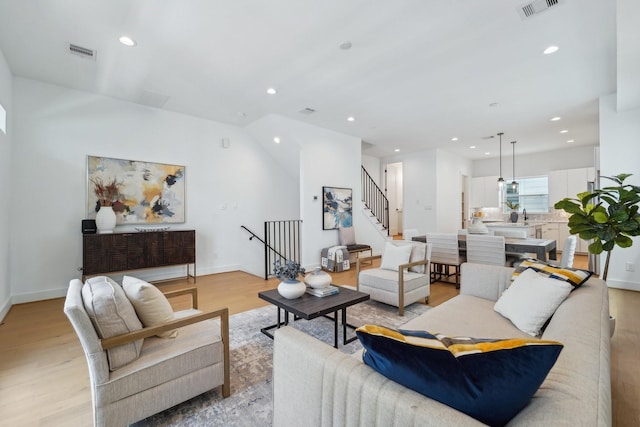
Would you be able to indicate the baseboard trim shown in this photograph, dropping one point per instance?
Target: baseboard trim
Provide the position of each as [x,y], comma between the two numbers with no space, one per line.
[149,277]
[38,296]
[618,284]
[4,309]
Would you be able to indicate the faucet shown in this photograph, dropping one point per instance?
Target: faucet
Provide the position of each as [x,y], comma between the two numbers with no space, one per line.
[524,212]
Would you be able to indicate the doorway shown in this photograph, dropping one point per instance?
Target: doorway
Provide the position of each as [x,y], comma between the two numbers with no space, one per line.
[393,191]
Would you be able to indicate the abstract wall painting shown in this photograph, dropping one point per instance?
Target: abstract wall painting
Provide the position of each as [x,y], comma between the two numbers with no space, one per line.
[150,193]
[337,207]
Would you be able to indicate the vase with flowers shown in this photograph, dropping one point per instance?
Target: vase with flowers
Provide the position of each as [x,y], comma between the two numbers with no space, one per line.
[107,193]
[288,272]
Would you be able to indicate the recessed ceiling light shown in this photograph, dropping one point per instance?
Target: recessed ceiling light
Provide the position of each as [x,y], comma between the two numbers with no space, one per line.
[472,147]
[555,119]
[271,91]
[454,138]
[550,49]
[486,153]
[127,41]
[570,141]
[351,119]
[564,131]
[276,140]
[397,150]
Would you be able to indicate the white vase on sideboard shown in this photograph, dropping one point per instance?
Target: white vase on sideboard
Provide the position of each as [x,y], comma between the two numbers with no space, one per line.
[105,220]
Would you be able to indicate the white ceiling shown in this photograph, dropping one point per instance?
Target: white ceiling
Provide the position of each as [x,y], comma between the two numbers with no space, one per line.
[419,72]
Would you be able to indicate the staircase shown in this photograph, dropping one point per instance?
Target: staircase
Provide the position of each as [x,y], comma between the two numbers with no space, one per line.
[376,204]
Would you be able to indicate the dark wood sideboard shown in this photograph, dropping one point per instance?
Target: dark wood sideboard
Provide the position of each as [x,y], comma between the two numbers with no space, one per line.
[110,253]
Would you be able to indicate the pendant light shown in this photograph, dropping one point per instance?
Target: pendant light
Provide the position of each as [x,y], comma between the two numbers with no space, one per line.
[500,178]
[513,187]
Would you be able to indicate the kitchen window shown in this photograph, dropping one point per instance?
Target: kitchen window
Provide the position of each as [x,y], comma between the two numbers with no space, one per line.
[532,195]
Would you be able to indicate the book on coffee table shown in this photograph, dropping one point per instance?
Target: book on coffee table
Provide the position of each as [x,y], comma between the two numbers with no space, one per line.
[323,292]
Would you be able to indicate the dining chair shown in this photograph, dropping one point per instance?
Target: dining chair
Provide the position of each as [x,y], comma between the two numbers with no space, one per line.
[486,249]
[568,251]
[445,254]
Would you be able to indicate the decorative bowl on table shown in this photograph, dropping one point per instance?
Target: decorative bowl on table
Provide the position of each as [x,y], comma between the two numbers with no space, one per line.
[317,279]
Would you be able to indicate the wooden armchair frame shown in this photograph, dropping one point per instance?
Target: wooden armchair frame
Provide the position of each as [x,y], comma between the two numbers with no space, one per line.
[401,270]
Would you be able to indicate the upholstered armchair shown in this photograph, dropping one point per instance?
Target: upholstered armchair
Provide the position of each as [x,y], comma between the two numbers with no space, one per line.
[135,373]
[402,278]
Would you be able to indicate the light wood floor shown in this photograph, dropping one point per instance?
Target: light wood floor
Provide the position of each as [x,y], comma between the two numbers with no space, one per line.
[44,379]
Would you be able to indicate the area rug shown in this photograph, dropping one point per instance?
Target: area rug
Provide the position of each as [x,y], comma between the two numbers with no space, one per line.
[251,353]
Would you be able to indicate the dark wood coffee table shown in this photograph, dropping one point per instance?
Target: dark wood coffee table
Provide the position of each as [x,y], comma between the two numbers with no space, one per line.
[309,307]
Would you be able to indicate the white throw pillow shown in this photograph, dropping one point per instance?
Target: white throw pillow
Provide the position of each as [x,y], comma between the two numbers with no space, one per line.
[112,314]
[393,256]
[347,236]
[531,300]
[418,253]
[150,304]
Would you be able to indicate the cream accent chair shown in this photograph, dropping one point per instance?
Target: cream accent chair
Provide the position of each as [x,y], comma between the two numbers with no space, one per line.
[405,284]
[167,372]
[486,250]
[445,254]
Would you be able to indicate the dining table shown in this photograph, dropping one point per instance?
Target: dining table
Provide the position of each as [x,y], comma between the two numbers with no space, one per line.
[540,247]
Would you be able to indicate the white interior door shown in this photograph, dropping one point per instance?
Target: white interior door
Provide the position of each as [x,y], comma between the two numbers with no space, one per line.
[393,191]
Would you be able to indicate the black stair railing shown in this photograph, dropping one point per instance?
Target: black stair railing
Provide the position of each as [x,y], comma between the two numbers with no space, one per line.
[282,241]
[374,199]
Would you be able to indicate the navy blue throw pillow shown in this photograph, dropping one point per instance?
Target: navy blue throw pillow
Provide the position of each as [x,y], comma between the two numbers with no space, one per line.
[490,380]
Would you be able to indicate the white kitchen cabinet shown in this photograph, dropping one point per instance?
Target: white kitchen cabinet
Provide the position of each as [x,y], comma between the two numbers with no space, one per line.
[568,183]
[557,186]
[576,181]
[484,192]
[477,192]
[550,232]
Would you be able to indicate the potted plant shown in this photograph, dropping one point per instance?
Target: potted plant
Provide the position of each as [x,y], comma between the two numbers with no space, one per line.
[607,216]
[288,272]
[107,194]
[514,210]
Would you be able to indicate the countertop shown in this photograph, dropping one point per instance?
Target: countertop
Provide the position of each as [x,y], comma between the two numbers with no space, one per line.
[515,224]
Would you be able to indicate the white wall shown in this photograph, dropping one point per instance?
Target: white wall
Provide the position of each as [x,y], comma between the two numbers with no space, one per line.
[373,168]
[449,171]
[432,181]
[536,164]
[6,99]
[327,158]
[56,128]
[620,153]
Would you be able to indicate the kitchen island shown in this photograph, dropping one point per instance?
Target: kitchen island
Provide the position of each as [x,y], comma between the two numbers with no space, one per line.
[523,230]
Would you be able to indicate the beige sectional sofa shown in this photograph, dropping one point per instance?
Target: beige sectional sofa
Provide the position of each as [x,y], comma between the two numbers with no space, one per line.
[317,385]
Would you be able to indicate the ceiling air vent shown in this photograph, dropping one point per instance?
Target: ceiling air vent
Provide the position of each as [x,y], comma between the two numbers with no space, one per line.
[82,51]
[307,111]
[536,6]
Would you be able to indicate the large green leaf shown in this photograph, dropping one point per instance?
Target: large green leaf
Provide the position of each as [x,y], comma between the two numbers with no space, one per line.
[600,217]
[624,241]
[621,177]
[620,216]
[596,247]
[568,206]
[608,245]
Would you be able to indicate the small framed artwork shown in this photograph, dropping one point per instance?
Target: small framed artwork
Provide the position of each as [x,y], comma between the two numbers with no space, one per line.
[337,207]
[147,193]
